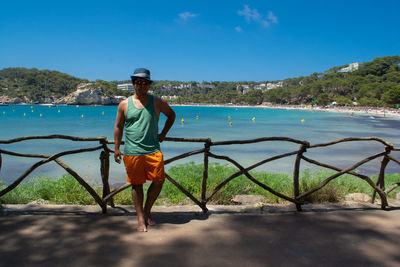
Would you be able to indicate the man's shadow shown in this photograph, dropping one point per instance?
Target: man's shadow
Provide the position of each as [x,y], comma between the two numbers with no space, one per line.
[173,217]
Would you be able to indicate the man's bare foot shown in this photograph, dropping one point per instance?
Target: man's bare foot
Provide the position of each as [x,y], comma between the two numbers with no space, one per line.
[142,228]
[150,221]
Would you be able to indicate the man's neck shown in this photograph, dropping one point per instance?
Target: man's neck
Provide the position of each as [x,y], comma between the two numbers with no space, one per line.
[141,98]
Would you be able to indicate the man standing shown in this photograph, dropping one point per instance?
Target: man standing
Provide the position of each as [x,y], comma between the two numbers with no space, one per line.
[138,116]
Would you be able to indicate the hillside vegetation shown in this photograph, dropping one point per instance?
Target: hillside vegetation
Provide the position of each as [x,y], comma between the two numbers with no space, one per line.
[375,83]
[42,86]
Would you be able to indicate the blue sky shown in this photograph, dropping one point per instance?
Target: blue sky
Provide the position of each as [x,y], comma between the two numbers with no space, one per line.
[196,40]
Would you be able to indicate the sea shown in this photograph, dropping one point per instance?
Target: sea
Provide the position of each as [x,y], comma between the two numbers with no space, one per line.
[217,123]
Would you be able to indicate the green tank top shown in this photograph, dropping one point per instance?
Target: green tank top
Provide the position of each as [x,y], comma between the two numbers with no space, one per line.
[141,129]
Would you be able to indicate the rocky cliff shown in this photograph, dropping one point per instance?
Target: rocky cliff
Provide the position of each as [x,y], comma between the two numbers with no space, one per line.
[85,94]
[14,100]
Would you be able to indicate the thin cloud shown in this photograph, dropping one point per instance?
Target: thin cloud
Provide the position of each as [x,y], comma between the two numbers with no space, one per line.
[265,23]
[187,15]
[272,17]
[238,29]
[249,14]
[252,15]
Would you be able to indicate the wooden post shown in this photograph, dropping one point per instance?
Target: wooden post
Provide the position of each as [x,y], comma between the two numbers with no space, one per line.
[105,170]
[88,188]
[183,190]
[381,178]
[205,172]
[296,172]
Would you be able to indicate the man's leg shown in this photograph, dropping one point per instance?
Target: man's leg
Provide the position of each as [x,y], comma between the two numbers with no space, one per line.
[137,197]
[152,194]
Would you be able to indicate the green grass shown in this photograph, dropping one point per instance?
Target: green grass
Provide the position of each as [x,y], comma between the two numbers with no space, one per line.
[66,190]
[63,190]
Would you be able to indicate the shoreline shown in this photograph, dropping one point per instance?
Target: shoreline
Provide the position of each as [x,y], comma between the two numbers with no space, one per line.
[349,111]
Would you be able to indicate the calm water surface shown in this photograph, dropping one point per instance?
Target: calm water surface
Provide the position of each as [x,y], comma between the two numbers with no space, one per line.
[212,122]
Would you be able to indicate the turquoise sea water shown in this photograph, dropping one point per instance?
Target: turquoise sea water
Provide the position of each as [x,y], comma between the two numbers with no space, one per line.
[212,122]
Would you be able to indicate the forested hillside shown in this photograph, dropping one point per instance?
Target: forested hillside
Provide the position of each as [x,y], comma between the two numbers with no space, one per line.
[39,85]
[375,83]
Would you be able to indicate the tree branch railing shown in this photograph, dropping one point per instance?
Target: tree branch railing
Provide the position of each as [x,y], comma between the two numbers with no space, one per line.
[297,199]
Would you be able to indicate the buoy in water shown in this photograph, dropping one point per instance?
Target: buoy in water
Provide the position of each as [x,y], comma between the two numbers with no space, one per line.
[197,117]
[82,116]
[59,111]
[230,123]
[24,114]
[40,115]
[253,119]
[229,117]
[302,120]
[182,120]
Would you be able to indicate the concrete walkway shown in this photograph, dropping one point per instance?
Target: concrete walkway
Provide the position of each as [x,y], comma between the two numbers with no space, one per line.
[322,235]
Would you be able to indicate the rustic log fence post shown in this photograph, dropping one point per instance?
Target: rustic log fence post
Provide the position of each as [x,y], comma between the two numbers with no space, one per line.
[381,178]
[105,170]
[88,188]
[296,172]
[205,172]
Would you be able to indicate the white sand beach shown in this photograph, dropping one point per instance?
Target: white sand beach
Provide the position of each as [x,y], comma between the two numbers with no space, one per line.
[349,111]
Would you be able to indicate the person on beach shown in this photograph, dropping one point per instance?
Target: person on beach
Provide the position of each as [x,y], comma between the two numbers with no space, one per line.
[138,116]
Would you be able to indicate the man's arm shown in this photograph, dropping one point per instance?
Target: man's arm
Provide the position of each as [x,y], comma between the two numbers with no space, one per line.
[118,131]
[170,114]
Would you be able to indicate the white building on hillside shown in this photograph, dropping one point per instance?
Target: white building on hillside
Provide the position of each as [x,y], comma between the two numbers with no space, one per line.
[274,85]
[169,97]
[260,86]
[352,67]
[126,86]
[205,85]
[180,86]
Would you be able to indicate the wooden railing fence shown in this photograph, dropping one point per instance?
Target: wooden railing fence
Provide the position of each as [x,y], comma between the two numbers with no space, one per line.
[297,198]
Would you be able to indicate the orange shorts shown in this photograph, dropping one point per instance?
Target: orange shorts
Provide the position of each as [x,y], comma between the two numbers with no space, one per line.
[146,167]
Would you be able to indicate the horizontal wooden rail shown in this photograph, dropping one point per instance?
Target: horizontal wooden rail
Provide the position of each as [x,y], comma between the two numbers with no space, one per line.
[350,139]
[177,139]
[54,136]
[264,139]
